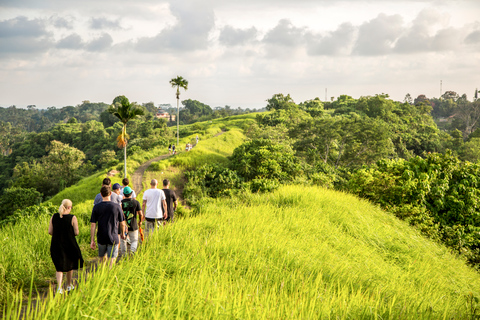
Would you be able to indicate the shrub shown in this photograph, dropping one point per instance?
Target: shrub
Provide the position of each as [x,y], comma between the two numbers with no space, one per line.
[265,159]
[263,185]
[18,198]
[211,181]
[439,194]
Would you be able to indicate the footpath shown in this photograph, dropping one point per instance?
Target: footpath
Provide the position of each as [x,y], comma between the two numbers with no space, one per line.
[137,178]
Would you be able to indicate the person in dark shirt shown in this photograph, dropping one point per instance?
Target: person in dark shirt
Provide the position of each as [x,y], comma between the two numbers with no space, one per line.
[131,208]
[171,200]
[108,215]
[64,249]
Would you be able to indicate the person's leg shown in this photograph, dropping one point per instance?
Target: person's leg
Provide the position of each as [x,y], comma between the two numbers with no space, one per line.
[69,280]
[119,243]
[112,253]
[59,276]
[133,240]
[149,227]
[123,246]
[102,251]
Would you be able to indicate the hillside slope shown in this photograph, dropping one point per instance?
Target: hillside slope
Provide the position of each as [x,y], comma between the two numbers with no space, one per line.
[297,253]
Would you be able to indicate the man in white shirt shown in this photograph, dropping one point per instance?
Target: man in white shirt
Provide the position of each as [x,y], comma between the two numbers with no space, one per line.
[156,207]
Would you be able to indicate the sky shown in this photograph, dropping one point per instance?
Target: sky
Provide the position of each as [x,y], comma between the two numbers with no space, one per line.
[237,53]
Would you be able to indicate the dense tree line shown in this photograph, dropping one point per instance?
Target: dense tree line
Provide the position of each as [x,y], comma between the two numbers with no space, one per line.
[453,112]
[389,152]
[195,111]
[30,162]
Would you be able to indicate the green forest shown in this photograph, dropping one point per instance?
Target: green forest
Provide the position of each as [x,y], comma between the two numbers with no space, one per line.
[415,161]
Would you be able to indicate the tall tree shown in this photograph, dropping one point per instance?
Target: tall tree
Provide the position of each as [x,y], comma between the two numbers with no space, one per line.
[179,82]
[125,111]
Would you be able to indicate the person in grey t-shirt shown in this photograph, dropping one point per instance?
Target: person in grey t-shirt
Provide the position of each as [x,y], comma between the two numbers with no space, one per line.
[114,196]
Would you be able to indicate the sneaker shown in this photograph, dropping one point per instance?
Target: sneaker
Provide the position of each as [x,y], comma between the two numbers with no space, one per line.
[60,291]
[70,288]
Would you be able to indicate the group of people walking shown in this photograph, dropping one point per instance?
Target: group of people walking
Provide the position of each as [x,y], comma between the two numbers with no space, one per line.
[188,146]
[116,220]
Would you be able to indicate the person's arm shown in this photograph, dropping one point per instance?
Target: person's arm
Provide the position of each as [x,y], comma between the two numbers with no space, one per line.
[75,226]
[175,201]
[140,213]
[165,213]
[50,227]
[124,227]
[93,226]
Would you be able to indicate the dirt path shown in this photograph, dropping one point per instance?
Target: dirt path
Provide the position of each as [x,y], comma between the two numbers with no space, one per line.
[138,174]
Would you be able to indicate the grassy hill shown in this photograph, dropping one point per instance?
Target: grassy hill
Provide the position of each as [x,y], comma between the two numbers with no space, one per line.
[298,253]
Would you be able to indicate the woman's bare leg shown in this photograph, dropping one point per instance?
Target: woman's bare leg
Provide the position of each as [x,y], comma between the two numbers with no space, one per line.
[69,278]
[59,276]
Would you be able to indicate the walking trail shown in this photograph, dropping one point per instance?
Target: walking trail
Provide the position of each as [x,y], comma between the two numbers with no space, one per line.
[138,174]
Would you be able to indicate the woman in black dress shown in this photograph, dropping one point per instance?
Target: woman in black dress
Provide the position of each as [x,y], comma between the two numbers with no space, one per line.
[64,250]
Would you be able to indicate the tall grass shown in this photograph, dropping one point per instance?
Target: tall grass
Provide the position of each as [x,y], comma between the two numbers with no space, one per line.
[211,150]
[25,249]
[298,253]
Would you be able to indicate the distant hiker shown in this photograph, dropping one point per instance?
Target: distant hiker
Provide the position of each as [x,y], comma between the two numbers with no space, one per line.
[64,249]
[187,147]
[131,208]
[170,148]
[173,149]
[108,215]
[171,200]
[156,207]
[125,183]
[114,197]
[196,139]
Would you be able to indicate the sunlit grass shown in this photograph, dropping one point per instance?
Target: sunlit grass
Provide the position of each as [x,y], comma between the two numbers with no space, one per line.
[211,150]
[299,253]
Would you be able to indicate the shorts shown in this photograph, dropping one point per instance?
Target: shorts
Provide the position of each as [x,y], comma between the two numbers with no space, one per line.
[111,250]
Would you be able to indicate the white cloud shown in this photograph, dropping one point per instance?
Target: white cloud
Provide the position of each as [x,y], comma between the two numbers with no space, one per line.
[230,51]
[230,36]
[194,23]
[473,37]
[338,42]
[72,42]
[101,43]
[285,34]
[101,23]
[377,36]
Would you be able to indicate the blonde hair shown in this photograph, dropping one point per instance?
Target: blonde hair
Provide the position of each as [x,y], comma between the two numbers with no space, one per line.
[65,204]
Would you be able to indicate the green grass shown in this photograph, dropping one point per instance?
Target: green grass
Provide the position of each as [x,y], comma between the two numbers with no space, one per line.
[25,249]
[210,150]
[298,253]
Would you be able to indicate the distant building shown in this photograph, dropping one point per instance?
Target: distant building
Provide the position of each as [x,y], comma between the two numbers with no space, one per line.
[162,114]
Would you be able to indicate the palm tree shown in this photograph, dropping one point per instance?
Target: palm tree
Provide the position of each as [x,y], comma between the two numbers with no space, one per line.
[125,111]
[179,82]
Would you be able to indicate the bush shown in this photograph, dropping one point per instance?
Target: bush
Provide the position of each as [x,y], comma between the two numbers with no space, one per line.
[211,181]
[263,185]
[265,159]
[18,198]
[439,194]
